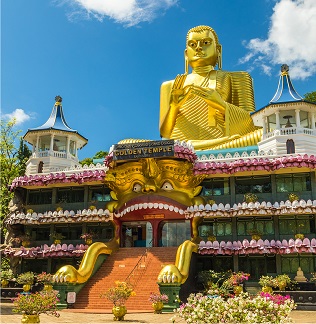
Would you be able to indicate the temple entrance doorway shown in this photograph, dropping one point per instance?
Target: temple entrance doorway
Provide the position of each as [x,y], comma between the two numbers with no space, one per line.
[137,234]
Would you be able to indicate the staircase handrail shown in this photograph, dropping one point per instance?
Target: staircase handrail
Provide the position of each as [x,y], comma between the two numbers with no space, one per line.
[131,274]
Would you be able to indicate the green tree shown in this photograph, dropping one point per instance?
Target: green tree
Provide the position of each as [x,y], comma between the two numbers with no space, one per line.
[310,96]
[12,162]
[98,155]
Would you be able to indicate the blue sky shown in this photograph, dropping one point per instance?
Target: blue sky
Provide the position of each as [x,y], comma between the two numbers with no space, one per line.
[107,59]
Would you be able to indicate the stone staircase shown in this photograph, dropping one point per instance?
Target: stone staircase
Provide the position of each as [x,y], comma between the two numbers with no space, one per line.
[119,266]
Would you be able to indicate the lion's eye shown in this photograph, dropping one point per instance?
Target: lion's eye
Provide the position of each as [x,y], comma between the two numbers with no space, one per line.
[137,187]
[167,186]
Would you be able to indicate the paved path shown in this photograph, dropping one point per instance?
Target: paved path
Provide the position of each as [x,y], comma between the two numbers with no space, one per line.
[99,316]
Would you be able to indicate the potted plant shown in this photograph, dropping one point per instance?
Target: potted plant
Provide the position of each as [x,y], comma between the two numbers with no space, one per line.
[57,237]
[250,197]
[157,301]
[46,279]
[26,279]
[266,282]
[6,275]
[32,305]
[292,197]
[88,237]
[281,281]
[313,277]
[236,279]
[118,295]
[255,234]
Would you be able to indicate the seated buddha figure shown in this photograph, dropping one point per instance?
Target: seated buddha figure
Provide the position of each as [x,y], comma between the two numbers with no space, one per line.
[208,107]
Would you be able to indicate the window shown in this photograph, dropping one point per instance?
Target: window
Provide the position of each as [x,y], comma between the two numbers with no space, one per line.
[255,184]
[174,233]
[100,193]
[39,197]
[70,232]
[290,146]
[36,265]
[295,182]
[257,266]
[103,231]
[38,233]
[70,195]
[246,224]
[217,263]
[296,225]
[215,227]
[290,264]
[216,187]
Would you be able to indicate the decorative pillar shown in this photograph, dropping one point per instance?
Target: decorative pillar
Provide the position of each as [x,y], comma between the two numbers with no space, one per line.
[172,290]
[37,143]
[297,118]
[51,148]
[277,120]
[67,146]
[313,120]
[264,126]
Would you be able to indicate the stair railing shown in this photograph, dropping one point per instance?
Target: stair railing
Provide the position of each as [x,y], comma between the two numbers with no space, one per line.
[137,272]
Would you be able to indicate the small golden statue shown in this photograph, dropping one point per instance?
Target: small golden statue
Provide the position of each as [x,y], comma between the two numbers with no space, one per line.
[210,108]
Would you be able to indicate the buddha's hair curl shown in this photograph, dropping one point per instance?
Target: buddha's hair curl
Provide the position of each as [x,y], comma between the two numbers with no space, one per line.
[201,28]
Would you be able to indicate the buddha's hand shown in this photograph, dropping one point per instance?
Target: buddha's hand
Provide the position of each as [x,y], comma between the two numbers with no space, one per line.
[210,96]
[170,274]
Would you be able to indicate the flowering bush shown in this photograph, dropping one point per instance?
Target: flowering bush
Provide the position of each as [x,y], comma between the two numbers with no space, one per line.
[266,281]
[57,236]
[313,278]
[155,298]
[262,308]
[7,274]
[280,279]
[238,278]
[26,278]
[119,294]
[37,303]
[45,278]
[89,235]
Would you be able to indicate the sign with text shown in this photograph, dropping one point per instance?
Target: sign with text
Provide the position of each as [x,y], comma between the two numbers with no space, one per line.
[150,149]
[71,297]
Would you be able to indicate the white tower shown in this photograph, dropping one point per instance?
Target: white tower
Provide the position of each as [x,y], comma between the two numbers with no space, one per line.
[288,121]
[54,144]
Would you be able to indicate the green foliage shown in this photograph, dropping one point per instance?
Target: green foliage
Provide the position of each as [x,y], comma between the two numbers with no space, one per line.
[43,302]
[26,278]
[310,96]
[86,161]
[12,162]
[98,155]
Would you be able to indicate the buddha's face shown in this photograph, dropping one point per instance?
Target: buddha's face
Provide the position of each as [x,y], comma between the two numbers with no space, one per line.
[201,49]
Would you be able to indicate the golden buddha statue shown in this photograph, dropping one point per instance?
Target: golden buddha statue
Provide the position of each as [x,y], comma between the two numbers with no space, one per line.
[209,108]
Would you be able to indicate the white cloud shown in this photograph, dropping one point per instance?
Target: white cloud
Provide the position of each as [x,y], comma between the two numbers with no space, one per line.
[19,115]
[127,12]
[291,39]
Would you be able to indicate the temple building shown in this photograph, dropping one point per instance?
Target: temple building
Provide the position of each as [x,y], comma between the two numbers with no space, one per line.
[170,209]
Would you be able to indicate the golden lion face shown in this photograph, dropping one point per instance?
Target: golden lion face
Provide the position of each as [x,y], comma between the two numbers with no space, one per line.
[153,181]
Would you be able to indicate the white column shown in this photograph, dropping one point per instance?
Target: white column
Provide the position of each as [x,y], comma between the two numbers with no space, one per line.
[37,143]
[52,143]
[297,118]
[67,148]
[313,120]
[264,128]
[277,120]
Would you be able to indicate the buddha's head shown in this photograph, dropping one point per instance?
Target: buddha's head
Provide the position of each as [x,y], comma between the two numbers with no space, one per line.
[202,47]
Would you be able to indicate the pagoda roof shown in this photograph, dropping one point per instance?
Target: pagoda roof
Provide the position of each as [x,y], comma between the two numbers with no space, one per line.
[56,121]
[285,91]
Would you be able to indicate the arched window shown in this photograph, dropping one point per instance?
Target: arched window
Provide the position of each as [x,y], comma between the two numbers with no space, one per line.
[290,146]
[40,167]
